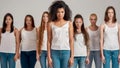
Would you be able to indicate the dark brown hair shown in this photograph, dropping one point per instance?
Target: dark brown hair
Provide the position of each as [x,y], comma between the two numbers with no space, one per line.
[31,17]
[5,25]
[86,36]
[106,18]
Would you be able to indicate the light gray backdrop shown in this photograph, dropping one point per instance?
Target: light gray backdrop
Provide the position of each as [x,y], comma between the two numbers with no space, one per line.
[19,8]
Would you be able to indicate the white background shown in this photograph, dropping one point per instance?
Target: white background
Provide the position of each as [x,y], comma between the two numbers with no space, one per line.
[19,8]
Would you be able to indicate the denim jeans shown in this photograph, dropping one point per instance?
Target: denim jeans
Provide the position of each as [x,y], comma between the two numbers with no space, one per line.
[28,59]
[7,60]
[79,62]
[43,59]
[0,62]
[60,58]
[96,56]
[111,55]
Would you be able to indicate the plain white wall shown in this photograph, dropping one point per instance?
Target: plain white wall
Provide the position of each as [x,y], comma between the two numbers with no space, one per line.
[19,8]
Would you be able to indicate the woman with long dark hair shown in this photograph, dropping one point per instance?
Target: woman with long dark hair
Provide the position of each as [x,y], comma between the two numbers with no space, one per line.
[28,39]
[9,42]
[81,43]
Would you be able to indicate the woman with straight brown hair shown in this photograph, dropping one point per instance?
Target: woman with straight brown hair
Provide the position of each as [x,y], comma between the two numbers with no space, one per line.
[28,39]
[42,46]
[110,39]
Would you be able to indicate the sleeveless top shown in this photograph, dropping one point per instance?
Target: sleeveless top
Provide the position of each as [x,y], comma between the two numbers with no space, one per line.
[111,38]
[60,37]
[28,40]
[8,42]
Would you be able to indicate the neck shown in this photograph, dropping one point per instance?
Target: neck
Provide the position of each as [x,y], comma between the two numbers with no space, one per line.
[29,27]
[110,21]
[60,20]
[8,26]
[93,25]
[79,30]
[45,26]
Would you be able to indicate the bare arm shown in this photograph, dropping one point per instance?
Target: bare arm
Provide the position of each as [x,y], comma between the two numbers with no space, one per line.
[0,34]
[17,40]
[71,40]
[119,36]
[16,32]
[49,33]
[37,42]
[101,38]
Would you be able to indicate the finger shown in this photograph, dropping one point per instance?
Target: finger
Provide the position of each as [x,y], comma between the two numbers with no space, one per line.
[104,61]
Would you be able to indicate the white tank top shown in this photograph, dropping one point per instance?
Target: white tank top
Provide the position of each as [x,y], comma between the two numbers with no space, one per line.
[111,38]
[60,37]
[28,40]
[79,46]
[44,46]
[8,43]
[94,39]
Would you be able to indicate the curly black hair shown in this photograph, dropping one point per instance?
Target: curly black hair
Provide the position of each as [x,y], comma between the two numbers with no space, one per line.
[55,6]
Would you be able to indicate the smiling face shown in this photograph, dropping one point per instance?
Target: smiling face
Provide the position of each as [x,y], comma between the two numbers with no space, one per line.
[78,23]
[8,20]
[60,13]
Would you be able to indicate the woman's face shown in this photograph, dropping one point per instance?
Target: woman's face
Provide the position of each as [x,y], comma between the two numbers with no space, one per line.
[78,23]
[93,20]
[110,13]
[28,21]
[8,20]
[45,17]
[60,13]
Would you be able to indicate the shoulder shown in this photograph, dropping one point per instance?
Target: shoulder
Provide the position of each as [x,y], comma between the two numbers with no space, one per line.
[70,23]
[102,26]
[15,29]
[87,28]
[21,29]
[50,23]
[118,25]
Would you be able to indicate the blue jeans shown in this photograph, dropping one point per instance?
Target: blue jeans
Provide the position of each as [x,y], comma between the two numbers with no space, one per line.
[28,59]
[111,55]
[60,58]
[7,60]
[79,62]
[43,59]
[0,62]
[96,56]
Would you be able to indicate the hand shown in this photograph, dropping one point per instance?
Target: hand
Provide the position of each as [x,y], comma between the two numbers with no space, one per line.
[50,62]
[87,61]
[37,57]
[71,61]
[17,56]
[103,59]
[119,58]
